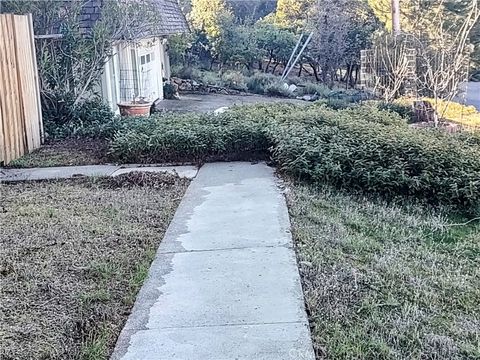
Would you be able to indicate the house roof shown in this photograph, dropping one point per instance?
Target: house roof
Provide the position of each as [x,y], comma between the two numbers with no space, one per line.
[172,20]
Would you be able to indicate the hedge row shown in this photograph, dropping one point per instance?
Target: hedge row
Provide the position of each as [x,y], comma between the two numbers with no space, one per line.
[187,137]
[360,147]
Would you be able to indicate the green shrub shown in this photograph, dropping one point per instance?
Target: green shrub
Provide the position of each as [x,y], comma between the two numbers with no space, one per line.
[335,104]
[278,89]
[91,119]
[368,112]
[187,137]
[169,90]
[234,80]
[360,147]
[404,110]
[209,78]
[186,72]
[310,88]
[379,157]
[258,82]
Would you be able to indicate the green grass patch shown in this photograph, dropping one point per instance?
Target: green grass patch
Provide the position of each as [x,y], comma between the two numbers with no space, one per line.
[386,280]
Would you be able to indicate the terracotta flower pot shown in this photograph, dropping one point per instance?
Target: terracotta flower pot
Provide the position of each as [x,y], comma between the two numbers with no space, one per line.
[135,109]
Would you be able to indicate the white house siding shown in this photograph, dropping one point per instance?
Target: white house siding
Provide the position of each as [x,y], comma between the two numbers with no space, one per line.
[135,70]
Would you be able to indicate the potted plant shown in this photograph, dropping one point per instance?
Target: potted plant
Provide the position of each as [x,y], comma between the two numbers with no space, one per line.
[139,106]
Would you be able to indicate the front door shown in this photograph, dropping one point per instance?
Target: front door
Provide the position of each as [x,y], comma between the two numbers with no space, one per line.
[149,73]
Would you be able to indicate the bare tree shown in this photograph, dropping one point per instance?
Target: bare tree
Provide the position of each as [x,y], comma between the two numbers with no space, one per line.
[388,69]
[443,58]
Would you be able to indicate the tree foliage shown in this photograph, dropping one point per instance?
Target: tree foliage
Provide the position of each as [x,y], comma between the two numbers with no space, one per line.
[293,14]
[209,15]
[70,68]
[341,28]
[276,44]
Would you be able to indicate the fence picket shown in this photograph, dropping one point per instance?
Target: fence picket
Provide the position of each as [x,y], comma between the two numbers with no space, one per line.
[20,112]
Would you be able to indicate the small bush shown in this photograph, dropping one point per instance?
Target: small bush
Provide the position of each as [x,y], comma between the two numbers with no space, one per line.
[186,72]
[278,89]
[91,119]
[169,90]
[258,82]
[404,110]
[369,113]
[209,78]
[335,104]
[234,80]
[310,88]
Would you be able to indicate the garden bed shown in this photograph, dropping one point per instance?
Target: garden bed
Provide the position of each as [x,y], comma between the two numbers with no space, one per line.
[74,254]
[384,280]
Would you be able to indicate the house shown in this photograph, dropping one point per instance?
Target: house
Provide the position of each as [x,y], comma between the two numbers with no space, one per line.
[138,66]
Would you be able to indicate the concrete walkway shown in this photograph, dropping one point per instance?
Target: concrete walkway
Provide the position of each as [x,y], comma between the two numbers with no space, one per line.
[210,102]
[65,172]
[224,284]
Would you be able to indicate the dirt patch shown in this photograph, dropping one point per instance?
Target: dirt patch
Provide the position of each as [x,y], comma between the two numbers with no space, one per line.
[73,255]
[64,153]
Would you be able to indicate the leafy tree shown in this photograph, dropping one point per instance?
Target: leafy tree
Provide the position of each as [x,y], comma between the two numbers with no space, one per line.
[293,14]
[209,15]
[252,9]
[274,43]
[237,44]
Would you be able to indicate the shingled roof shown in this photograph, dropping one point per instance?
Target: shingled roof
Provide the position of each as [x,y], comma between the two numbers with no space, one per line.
[172,20]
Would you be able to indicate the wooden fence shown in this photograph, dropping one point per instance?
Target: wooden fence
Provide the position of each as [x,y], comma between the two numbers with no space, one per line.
[21,127]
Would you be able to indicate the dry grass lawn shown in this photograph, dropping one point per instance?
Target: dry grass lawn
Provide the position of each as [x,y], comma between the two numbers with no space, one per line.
[73,255]
[65,153]
[386,281]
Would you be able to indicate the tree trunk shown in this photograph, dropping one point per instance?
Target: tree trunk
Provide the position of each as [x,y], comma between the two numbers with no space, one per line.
[315,71]
[269,62]
[274,68]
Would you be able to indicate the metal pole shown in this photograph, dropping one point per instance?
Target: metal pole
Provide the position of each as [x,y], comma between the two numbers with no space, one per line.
[291,56]
[396,28]
[299,55]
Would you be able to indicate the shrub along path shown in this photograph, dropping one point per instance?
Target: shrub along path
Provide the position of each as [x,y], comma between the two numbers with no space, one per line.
[225,283]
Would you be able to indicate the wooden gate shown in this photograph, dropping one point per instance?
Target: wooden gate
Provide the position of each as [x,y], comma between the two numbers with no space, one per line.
[21,127]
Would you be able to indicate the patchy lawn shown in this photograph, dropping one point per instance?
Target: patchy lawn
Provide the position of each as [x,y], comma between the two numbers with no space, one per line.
[64,153]
[73,256]
[386,281]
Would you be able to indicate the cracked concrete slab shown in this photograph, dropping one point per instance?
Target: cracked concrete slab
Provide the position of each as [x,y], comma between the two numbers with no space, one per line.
[225,283]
